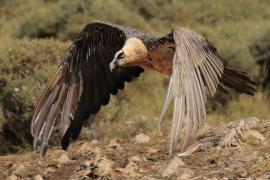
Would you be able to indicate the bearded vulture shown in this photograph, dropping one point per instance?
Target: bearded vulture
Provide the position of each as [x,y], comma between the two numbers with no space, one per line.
[104,56]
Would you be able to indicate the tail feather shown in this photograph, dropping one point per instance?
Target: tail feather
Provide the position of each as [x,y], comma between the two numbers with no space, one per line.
[238,80]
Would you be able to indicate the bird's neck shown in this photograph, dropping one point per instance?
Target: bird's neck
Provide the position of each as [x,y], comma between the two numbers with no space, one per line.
[161,58]
[136,53]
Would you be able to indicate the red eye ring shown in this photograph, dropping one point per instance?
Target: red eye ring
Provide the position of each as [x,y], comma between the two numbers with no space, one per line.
[121,55]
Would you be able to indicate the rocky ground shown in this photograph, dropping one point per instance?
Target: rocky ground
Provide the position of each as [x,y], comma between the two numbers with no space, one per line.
[238,150]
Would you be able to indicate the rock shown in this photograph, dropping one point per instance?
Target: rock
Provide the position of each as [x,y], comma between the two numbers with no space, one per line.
[104,166]
[244,174]
[85,164]
[16,89]
[149,178]
[20,169]
[206,178]
[186,174]
[142,139]
[85,148]
[94,141]
[12,177]
[173,167]
[204,129]
[49,170]
[252,122]
[235,134]
[98,152]
[63,159]
[113,144]
[255,134]
[38,177]
[152,150]
[8,164]
[130,170]
[134,159]
[264,177]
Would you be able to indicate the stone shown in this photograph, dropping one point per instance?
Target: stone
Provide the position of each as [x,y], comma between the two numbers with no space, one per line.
[152,150]
[38,177]
[85,164]
[252,122]
[255,134]
[113,144]
[135,159]
[12,177]
[94,141]
[85,148]
[142,139]
[130,170]
[104,166]
[186,174]
[63,159]
[173,167]
[20,169]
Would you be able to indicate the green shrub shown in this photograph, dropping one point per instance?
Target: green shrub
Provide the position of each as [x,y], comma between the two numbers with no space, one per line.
[260,50]
[64,19]
[26,66]
[47,20]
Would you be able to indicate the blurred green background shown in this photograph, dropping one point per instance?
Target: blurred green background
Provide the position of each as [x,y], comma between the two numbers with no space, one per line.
[34,35]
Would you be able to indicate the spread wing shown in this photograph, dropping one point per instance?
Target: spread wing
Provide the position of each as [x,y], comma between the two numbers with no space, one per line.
[82,83]
[197,72]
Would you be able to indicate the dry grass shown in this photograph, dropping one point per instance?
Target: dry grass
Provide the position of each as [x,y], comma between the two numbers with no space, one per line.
[242,107]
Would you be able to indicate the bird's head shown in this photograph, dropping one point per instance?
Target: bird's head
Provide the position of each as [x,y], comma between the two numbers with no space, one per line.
[133,53]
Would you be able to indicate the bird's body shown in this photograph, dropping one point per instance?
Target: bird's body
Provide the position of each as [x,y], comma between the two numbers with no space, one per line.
[105,56]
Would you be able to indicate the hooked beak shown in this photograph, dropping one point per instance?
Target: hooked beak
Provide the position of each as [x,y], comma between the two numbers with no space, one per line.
[117,61]
[114,65]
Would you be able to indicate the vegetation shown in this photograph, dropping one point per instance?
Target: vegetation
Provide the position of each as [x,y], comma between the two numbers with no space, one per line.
[26,66]
[260,50]
[35,34]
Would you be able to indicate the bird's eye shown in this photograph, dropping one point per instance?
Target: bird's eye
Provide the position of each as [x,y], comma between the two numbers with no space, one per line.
[121,55]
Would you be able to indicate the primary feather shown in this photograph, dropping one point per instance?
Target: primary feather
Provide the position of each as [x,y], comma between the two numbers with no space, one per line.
[197,71]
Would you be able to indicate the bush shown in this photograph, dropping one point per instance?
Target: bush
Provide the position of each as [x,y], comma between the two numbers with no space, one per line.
[260,50]
[46,21]
[26,66]
[64,19]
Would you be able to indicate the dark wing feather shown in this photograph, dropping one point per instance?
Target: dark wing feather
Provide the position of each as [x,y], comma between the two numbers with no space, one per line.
[198,70]
[82,83]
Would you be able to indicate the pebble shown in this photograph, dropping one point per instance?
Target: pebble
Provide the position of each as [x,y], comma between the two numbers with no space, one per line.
[104,166]
[142,139]
[12,177]
[173,167]
[113,144]
[38,177]
[63,159]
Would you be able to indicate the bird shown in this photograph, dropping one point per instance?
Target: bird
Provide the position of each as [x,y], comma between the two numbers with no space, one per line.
[105,56]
